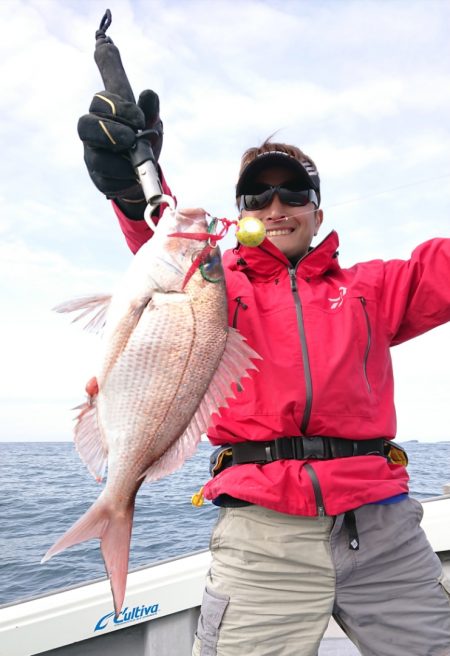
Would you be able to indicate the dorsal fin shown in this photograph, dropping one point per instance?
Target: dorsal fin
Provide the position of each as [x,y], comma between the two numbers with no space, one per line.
[95,305]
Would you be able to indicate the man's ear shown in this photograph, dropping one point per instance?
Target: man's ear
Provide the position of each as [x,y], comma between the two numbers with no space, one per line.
[238,205]
[318,217]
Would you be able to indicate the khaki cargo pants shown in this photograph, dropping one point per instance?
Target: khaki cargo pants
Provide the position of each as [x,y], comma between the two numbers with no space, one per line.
[276,579]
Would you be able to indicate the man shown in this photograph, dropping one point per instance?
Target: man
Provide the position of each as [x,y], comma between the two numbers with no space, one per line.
[316,519]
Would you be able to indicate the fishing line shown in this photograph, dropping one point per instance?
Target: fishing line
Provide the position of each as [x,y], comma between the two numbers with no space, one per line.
[251,230]
[358,199]
[374,194]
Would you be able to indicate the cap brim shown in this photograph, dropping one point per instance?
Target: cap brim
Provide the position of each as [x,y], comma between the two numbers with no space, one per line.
[269,159]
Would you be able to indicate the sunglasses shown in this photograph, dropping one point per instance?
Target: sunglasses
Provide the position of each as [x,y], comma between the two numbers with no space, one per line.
[293,197]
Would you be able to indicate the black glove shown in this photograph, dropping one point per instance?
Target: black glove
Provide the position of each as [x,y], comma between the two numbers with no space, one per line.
[108,132]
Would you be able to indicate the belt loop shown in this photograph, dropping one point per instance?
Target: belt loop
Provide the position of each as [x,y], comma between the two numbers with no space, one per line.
[327,448]
[297,444]
[268,453]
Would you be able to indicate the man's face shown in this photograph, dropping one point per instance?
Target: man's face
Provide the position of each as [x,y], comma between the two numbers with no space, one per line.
[291,229]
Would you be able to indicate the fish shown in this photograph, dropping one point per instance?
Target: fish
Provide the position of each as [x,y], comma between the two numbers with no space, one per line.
[169,361]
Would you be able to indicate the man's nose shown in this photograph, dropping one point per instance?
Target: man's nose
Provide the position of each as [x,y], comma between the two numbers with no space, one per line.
[276,208]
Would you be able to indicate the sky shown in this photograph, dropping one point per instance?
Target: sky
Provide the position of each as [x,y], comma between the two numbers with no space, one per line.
[363,87]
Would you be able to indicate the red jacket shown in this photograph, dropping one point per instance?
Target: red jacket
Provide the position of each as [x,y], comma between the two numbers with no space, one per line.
[324,334]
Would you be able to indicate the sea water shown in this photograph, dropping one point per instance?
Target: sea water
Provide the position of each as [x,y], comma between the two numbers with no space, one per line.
[45,488]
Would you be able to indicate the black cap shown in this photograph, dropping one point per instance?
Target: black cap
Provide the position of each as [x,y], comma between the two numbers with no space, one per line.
[304,169]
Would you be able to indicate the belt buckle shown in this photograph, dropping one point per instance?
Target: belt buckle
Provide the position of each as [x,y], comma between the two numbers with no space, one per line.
[279,449]
[314,448]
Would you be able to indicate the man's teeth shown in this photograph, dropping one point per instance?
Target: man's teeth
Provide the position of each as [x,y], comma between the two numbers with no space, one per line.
[279,232]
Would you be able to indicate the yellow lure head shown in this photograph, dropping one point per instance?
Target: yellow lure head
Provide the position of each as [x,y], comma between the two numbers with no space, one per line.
[251,231]
[197,499]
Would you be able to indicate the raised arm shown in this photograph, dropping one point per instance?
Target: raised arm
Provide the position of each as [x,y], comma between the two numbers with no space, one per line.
[122,142]
[108,133]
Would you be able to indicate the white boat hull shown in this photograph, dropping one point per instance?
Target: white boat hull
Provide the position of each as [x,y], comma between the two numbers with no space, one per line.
[160,610]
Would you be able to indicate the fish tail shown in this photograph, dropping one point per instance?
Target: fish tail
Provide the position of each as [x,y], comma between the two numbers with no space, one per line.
[115,548]
[113,528]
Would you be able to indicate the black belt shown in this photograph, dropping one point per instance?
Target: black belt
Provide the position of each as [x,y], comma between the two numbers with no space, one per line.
[306,448]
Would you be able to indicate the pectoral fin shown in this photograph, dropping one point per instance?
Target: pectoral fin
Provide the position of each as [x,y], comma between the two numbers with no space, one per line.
[236,362]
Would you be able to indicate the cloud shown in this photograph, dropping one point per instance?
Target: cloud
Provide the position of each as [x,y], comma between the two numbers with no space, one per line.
[362,87]
[42,354]
[47,274]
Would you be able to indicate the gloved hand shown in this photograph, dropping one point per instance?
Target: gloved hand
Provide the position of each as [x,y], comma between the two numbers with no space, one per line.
[108,132]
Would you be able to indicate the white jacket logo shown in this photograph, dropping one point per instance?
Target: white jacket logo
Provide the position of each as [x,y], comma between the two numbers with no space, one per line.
[337,302]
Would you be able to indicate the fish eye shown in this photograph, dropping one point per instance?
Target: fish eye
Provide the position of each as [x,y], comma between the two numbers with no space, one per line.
[211,269]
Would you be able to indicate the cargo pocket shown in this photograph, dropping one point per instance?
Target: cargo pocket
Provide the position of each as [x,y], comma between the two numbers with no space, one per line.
[225,516]
[211,615]
[418,508]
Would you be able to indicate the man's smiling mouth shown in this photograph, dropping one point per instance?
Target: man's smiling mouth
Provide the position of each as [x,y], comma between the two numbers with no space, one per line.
[278,232]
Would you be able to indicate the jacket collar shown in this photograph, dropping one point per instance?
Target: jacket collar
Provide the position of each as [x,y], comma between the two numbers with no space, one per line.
[267,262]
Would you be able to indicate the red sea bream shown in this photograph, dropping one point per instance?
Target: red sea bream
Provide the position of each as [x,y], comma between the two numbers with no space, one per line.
[169,362]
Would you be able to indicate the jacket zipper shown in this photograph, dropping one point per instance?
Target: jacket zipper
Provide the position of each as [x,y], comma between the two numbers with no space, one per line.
[320,506]
[305,356]
[369,341]
[239,303]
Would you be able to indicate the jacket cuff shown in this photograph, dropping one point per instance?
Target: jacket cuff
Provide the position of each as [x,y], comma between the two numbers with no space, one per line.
[136,231]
